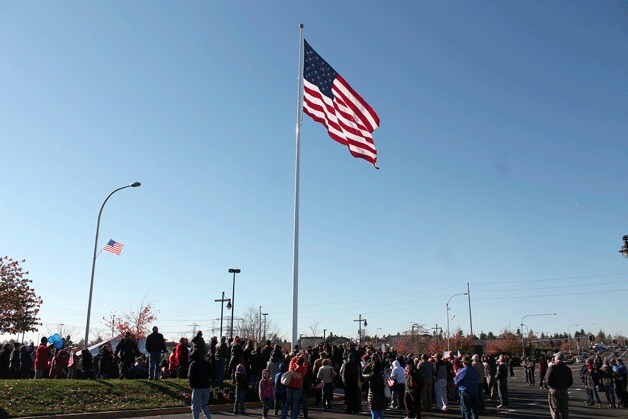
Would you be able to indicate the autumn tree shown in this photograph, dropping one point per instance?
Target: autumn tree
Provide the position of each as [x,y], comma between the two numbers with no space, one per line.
[138,322]
[19,305]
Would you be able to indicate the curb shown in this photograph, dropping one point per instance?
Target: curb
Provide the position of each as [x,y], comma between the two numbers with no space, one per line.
[140,412]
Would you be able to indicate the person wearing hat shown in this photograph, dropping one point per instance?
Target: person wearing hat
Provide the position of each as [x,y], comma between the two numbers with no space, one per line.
[559,378]
[468,382]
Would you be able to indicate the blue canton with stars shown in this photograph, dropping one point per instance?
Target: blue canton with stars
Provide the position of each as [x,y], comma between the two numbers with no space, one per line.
[317,71]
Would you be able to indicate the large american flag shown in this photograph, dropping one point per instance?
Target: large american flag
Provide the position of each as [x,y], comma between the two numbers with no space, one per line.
[329,99]
[113,247]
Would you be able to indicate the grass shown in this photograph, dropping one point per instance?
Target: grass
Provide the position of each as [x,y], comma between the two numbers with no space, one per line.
[47,397]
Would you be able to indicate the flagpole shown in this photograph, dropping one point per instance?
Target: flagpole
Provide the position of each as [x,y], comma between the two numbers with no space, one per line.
[295,249]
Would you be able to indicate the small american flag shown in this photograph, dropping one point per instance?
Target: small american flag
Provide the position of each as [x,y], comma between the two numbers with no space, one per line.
[113,247]
[329,99]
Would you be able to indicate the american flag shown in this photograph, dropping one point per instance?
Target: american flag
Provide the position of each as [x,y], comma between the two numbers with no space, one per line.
[329,99]
[113,247]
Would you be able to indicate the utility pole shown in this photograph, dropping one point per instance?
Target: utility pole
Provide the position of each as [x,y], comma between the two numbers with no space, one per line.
[436,330]
[470,320]
[194,326]
[360,320]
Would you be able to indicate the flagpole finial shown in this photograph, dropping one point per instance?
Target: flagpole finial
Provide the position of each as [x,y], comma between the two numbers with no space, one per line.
[301,25]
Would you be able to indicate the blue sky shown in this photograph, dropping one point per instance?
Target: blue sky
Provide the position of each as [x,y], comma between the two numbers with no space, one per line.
[502,149]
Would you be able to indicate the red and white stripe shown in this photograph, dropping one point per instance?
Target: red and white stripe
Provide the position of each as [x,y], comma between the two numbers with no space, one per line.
[348,118]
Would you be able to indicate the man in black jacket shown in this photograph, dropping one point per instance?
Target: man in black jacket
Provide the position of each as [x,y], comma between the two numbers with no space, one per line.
[559,378]
[200,377]
[155,346]
[126,351]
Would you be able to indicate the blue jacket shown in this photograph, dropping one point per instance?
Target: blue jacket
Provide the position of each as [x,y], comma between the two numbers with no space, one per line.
[467,379]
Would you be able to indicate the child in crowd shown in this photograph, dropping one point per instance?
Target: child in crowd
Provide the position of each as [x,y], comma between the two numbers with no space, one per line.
[266,393]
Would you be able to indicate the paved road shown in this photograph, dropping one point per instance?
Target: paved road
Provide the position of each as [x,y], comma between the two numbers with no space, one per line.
[525,403]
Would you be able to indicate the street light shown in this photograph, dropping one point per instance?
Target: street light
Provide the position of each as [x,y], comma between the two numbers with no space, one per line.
[523,347]
[222,305]
[234,272]
[624,248]
[360,320]
[447,306]
[91,282]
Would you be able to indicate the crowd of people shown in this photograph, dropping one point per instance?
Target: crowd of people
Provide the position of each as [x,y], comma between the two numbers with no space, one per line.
[285,380]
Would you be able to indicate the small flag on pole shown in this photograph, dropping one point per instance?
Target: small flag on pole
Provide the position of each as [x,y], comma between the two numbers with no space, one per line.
[113,247]
[329,99]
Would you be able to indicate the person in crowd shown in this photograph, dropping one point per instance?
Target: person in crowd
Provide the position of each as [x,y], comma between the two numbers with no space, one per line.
[26,363]
[280,389]
[511,366]
[257,365]
[276,357]
[241,384]
[173,367]
[59,366]
[105,363]
[468,382]
[266,393]
[607,381]
[266,352]
[502,381]
[200,378]
[155,346]
[298,366]
[397,375]
[308,381]
[126,352]
[198,342]
[374,377]
[426,368]
[87,364]
[182,355]
[5,360]
[327,374]
[350,374]
[591,384]
[222,356]
[14,362]
[443,372]
[529,368]
[621,380]
[316,366]
[542,371]
[479,367]
[236,355]
[490,372]
[140,370]
[213,346]
[42,358]
[559,378]
[413,390]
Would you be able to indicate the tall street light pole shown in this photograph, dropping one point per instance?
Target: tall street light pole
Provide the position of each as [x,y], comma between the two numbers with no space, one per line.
[222,306]
[447,307]
[234,272]
[360,320]
[91,282]
[523,347]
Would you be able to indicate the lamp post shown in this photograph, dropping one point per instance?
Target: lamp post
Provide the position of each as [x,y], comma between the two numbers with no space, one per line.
[91,282]
[360,320]
[523,347]
[624,248]
[447,307]
[234,272]
[222,306]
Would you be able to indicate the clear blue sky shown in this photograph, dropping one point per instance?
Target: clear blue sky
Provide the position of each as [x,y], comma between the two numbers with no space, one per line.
[502,149]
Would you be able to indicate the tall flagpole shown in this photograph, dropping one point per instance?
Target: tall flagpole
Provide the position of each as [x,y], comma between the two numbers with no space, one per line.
[295,261]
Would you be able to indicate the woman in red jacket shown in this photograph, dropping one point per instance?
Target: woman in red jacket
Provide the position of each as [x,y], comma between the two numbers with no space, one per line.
[298,367]
[182,354]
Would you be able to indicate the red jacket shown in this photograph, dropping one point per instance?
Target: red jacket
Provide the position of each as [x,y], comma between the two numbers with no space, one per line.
[181,353]
[301,369]
[42,357]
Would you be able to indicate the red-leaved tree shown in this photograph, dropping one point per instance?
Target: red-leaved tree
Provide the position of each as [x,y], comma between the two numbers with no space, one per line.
[137,322]
[19,305]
